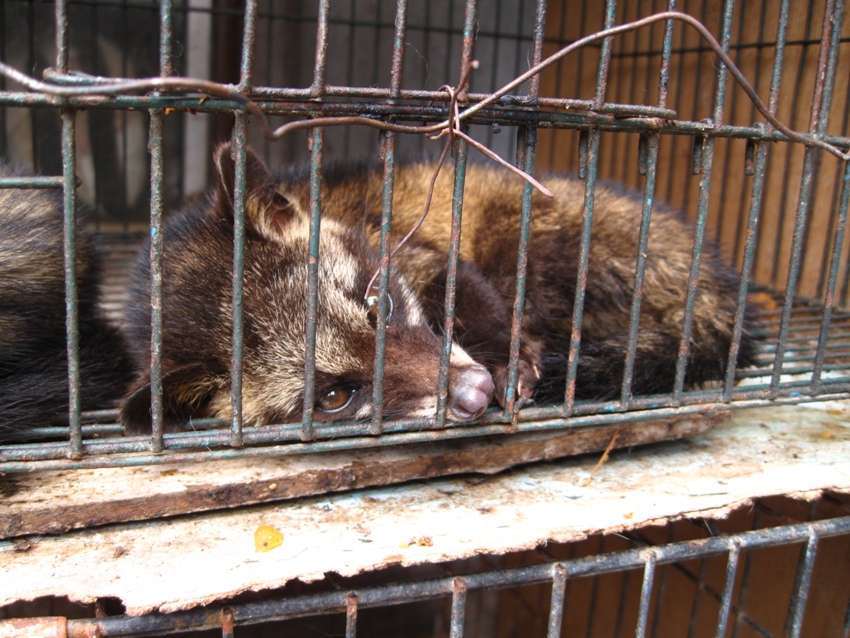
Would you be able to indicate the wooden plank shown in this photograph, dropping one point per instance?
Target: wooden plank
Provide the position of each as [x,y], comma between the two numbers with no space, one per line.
[60,501]
[186,561]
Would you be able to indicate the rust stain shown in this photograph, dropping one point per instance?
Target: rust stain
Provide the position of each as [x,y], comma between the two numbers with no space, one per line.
[421,541]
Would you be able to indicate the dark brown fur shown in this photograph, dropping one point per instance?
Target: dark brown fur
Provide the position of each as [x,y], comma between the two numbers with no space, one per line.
[33,363]
[197,289]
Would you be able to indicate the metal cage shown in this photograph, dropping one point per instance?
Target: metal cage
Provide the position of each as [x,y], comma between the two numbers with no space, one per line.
[721,577]
[806,359]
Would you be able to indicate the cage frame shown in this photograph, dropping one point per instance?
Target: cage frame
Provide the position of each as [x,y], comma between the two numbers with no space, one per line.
[556,573]
[527,111]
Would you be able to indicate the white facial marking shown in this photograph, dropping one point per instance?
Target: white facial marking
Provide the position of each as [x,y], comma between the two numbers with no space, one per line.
[460,357]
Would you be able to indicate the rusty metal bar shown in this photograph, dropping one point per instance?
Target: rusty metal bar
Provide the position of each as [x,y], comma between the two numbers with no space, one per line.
[33,181]
[155,150]
[458,613]
[664,79]
[156,205]
[797,91]
[528,162]
[556,606]
[591,168]
[835,264]
[646,593]
[605,55]
[728,589]
[581,277]
[307,426]
[821,101]
[317,88]
[388,142]
[707,157]
[351,616]
[652,143]
[800,596]
[69,205]
[352,436]
[227,624]
[240,159]
[756,200]
[461,152]
[315,142]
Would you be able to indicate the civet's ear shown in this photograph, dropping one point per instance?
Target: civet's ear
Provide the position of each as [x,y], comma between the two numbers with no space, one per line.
[268,210]
[185,392]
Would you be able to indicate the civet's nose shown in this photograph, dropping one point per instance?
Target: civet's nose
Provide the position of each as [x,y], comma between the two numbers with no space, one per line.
[470,393]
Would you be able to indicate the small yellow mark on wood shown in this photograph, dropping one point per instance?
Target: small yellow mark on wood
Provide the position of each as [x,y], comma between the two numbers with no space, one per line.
[267,538]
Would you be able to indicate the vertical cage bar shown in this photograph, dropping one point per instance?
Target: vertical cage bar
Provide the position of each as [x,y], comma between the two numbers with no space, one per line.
[581,277]
[156,181]
[314,141]
[667,48]
[155,150]
[836,196]
[556,606]
[319,69]
[728,589]
[388,150]
[591,166]
[388,146]
[458,608]
[69,205]
[312,283]
[640,267]
[726,162]
[702,208]
[461,152]
[240,158]
[227,624]
[795,111]
[645,595]
[756,200]
[743,592]
[605,56]
[835,265]
[590,161]
[750,151]
[821,101]
[249,30]
[351,616]
[166,29]
[529,156]
[800,596]
[648,152]
[72,329]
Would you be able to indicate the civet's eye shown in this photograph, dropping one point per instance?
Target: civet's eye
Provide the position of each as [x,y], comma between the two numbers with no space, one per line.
[336,398]
[372,309]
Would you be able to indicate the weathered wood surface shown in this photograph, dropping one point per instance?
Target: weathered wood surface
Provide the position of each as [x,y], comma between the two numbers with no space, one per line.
[55,502]
[186,561]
